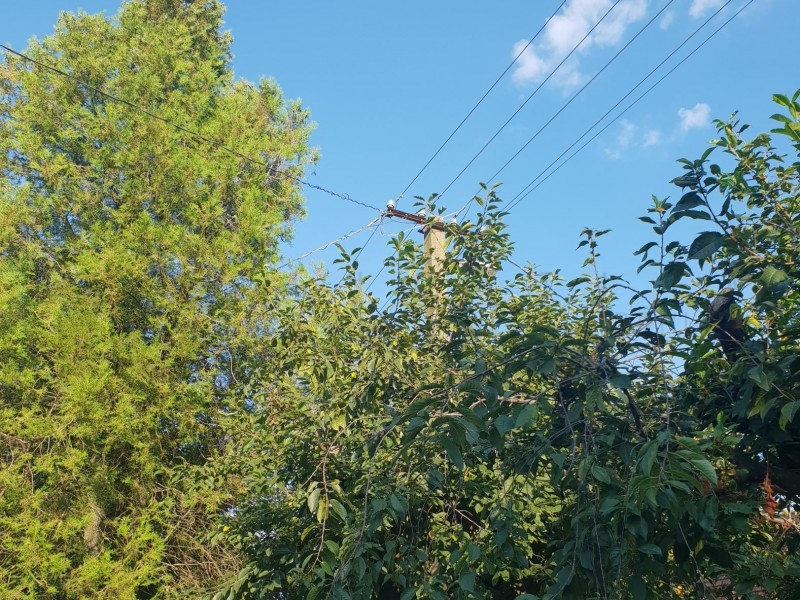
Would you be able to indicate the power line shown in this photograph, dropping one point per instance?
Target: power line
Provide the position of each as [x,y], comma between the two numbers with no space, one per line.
[528,99]
[214,143]
[580,91]
[360,250]
[332,242]
[523,194]
[564,107]
[620,101]
[479,102]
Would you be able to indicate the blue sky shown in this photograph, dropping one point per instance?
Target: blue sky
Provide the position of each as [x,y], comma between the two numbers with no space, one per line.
[388,82]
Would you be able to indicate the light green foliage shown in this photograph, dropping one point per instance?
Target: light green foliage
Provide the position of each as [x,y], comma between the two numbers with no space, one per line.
[133,260]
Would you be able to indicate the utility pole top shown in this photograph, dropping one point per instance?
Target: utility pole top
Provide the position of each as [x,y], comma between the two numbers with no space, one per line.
[420,219]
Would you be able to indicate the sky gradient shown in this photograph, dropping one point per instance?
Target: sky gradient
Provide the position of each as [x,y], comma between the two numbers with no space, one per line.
[388,82]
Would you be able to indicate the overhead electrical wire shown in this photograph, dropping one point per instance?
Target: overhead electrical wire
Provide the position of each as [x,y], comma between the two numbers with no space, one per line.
[529,98]
[468,115]
[479,102]
[200,136]
[541,178]
[621,100]
[566,105]
[354,260]
[580,91]
[373,223]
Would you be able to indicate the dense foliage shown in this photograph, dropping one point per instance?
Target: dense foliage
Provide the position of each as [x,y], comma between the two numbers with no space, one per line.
[133,263]
[537,438]
[178,419]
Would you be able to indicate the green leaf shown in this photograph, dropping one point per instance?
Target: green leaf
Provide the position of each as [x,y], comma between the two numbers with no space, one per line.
[685,181]
[705,468]
[399,504]
[758,375]
[788,412]
[578,281]
[651,549]
[313,500]
[504,424]
[645,248]
[620,381]
[648,457]
[339,422]
[314,593]
[332,546]
[453,452]
[322,511]
[338,509]
[608,505]
[467,582]
[688,201]
[671,275]
[705,245]
[526,416]
[601,474]
[408,594]
[772,276]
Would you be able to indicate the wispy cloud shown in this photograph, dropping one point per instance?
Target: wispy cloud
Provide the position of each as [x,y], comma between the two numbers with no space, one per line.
[625,134]
[667,20]
[566,30]
[697,116]
[701,7]
[652,137]
[629,136]
[529,66]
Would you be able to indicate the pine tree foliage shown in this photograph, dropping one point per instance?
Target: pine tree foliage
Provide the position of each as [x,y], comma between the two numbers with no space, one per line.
[133,258]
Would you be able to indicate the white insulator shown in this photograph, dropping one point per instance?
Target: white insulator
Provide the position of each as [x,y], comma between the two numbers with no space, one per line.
[390,204]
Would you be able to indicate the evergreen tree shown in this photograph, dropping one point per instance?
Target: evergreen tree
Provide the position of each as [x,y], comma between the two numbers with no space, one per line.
[135,259]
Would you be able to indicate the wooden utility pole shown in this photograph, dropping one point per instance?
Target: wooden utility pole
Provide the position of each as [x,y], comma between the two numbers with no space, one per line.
[434,246]
[435,241]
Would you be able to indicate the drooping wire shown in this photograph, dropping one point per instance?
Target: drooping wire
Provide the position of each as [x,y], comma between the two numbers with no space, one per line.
[349,234]
[529,98]
[200,136]
[479,102]
[354,260]
[528,189]
[502,127]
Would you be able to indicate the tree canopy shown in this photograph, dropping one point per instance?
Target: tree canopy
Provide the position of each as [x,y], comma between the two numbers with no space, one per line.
[537,438]
[134,259]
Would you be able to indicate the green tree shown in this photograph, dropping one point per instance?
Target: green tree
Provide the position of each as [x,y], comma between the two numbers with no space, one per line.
[134,261]
[537,438]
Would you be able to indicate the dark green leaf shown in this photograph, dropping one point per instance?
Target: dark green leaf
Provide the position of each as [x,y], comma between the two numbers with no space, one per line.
[705,245]
[687,201]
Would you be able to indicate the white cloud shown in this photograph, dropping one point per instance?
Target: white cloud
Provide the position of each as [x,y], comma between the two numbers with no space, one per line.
[529,66]
[698,116]
[566,30]
[611,30]
[626,131]
[666,20]
[701,7]
[652,137]
[625,135]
